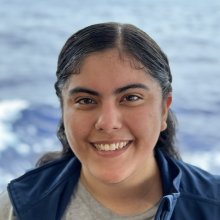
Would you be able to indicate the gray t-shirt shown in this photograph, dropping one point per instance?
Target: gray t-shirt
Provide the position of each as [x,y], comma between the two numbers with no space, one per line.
[83,205]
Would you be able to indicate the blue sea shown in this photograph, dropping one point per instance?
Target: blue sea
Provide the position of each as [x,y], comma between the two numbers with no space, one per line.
[32,34]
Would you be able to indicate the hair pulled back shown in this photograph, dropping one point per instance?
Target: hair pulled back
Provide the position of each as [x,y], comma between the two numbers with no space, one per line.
[130,41]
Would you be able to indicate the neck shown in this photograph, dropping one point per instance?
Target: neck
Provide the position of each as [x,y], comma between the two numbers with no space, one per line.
[134,195]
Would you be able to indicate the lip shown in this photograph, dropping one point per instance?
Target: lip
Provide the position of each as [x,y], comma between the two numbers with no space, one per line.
[113,153]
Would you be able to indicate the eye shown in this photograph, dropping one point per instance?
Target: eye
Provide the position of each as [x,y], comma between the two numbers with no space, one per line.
[85,101]
[131,98]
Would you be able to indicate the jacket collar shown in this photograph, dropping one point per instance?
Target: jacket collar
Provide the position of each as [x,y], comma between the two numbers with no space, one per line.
[44,193]
[171,177]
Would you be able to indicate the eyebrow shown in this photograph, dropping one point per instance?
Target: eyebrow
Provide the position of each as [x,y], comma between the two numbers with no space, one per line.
[131,86]
[82,89]
[117,91]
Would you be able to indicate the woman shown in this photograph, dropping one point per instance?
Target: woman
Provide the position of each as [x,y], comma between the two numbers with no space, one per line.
[117,130]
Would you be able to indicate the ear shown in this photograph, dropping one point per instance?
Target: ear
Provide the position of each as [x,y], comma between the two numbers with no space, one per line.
[166,105]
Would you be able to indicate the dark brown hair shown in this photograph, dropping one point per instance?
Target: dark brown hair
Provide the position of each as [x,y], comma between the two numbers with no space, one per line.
[132,42]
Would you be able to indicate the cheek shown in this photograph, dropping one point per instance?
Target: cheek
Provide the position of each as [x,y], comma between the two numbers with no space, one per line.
[145,122]
[77,125]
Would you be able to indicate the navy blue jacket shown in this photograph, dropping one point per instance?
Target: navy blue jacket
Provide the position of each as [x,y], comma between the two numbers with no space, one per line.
[189,193]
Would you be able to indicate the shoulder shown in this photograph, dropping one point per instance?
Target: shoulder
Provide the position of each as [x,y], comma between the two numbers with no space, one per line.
[199,193]
[44,188]
[6,210]
[198,184]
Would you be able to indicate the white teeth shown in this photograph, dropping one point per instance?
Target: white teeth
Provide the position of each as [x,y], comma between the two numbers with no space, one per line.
[111,147]
[121,145]
[106,147]
[116,145]
[102,147]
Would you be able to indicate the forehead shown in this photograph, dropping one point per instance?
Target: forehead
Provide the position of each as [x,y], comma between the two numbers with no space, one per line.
[106,70]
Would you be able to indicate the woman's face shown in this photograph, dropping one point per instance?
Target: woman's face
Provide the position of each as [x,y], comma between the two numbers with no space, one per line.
[113,115]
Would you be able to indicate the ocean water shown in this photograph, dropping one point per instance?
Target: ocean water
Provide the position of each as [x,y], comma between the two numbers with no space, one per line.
[32,34]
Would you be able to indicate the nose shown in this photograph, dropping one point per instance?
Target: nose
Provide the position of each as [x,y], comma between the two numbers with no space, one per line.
[109,118]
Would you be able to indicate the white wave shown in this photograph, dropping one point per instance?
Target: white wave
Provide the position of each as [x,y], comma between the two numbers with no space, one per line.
[9,109]
[206,160]
[9,113]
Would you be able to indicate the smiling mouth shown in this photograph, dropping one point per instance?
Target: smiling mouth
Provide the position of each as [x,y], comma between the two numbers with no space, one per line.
[110,147]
